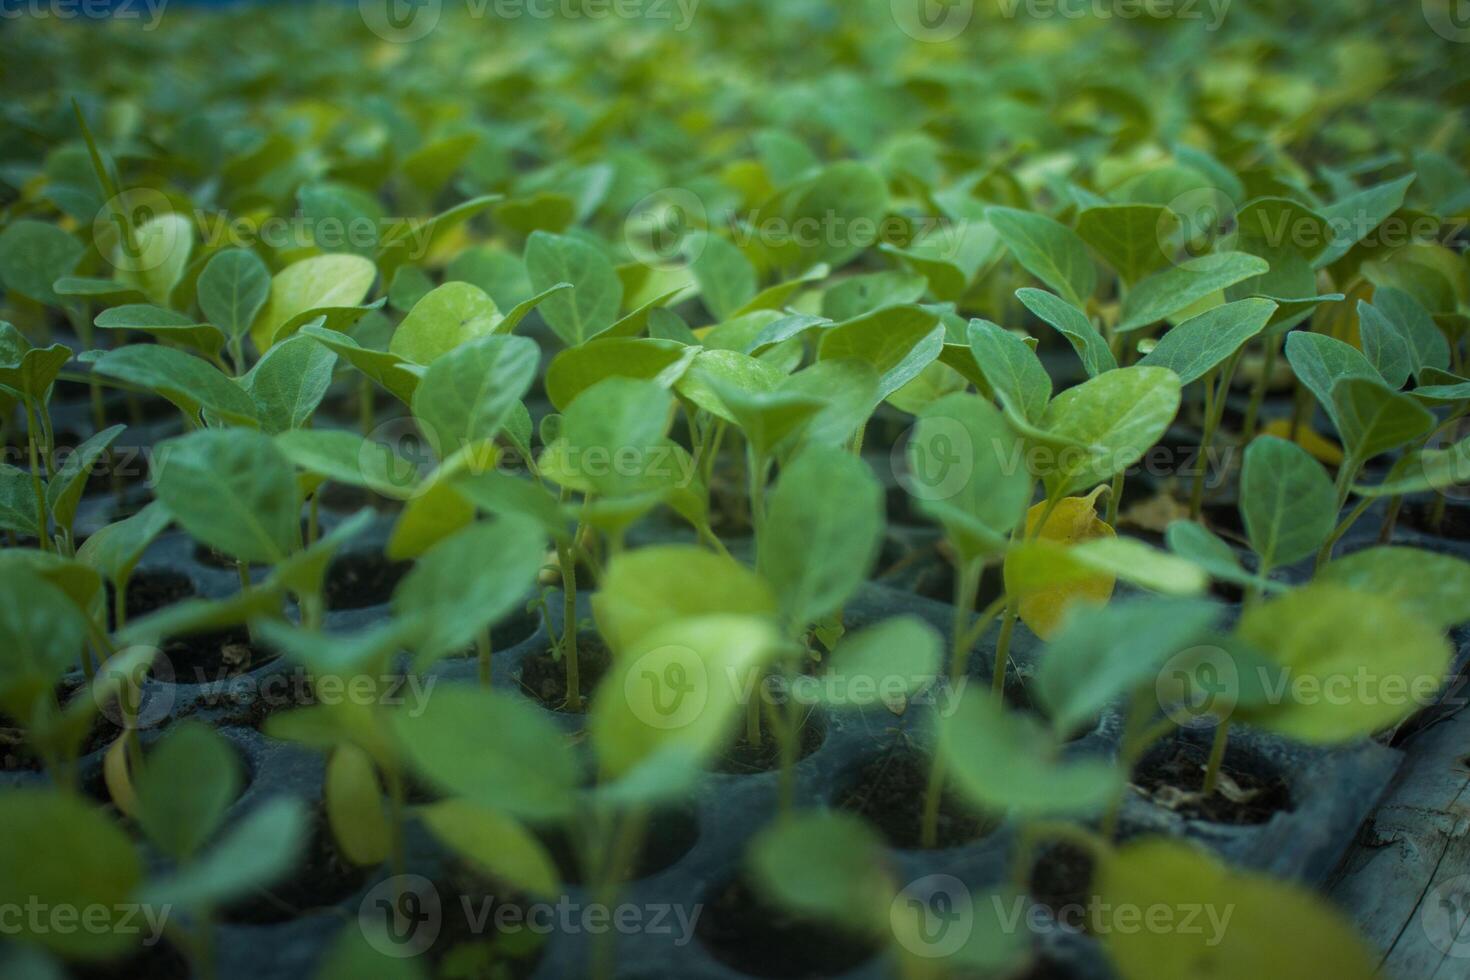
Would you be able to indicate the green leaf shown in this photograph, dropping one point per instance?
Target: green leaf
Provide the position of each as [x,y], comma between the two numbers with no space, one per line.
[858,295]
[343,218]
[495,845]
[41,635]
[596,295]
[1195,543]
[1103,653]
[349,459]
[26,370]
[1385,346]
[18,501]
[1166,293]
[1129,237]
[1048,250]
[258,851]
[1372,418]
[191,384]
[1354,217]
[413,237]
[385,369]
[467,394]
[1427,469]
[491,749]
[775,297]
[725,368]
[155,260]
[64,491]
[576,369]
[1121,413]
[849,389]
[60,852]
[188,781]
[233,287]
[826,865]
[823,525]
[1012,370]
[232,490]
[1428,348]
[311,285]
[1432,586]
[165,325]
[1326,637]
[446,608]
[966,470]
[897,341]
[669,703]
[1287,501]
[33,255]
[883,664]
[766,418]
[116,549]
[950,256]
[1040,565]
[1320,361]
[1202,343]
[1261,927]
[1005,761]
[1071,323]
[613,433]
[646,589]
[289,382]
[727,280]
[357,953]
[447,317]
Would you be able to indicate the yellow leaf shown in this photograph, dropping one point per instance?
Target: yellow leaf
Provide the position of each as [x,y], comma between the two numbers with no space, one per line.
[1322,448]
[115,774]
[355,806]
[1204,919]
[1072,521]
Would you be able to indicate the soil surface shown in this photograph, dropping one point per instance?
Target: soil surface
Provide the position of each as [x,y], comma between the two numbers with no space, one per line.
[1175,775]
[544,677]
[890,793]
[743,758]
[206,657]
[356,581]
[150,590]
[741,929]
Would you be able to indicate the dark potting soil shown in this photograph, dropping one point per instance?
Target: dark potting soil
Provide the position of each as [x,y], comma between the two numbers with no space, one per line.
[670,833]
[890,793]
[202,658]
[1180,766]
[323,877]
[1061,880]
[544,677]
[743,930]
[149,590]
[743,758]
[1456,522]
[486,930]
[348,499]
[356,581]
[15,752]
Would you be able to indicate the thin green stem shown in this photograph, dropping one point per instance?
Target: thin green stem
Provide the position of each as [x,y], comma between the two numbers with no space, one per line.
[1115,497]
[1214,412]
[1259,388]
[568,560]
[43,531]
